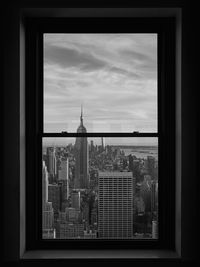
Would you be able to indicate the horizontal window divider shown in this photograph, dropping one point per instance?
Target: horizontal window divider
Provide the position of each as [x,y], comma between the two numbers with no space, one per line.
[101,239]
[99,135]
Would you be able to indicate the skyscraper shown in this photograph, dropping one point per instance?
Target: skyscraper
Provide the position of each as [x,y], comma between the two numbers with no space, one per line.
[44,184]
[54,196]
[63,179]
[52,163]
[75,199]
[81,158]
[63,173]
[154,196]
[47,210]
[151,166]
[91,145]
[102,144]
[154,229]
[115,205]
[145,192]
[47,216]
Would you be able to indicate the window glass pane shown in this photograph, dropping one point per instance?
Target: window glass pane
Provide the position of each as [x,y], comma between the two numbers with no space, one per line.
[100,188]
[112,76]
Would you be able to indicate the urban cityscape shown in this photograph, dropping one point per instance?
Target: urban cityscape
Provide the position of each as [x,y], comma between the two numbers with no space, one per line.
[102,191]
[102,187]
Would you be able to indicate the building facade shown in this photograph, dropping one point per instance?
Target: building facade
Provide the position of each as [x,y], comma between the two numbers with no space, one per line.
[47,209]
[81,159]
[52,162]
[75,200]
[54,194]
[115,205]
[63,179]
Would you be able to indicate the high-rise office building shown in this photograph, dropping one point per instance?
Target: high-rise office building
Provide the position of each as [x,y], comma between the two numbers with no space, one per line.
[63,173]
[102,144]
[71,230]
[54,196]
[52,163]
[76,200]
[49,233]
[73,215]
[47,209]
[154,196]
[154,229]
[81,158]
[45,184]
[47,216]
[115,205]
[151,166]
[90,234]
[63,179]
[91,145]
[145,192]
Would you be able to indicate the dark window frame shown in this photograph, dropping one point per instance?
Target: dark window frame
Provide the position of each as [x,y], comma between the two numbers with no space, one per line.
[166,128]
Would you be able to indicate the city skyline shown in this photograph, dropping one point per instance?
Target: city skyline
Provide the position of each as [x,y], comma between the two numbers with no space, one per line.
[102,187]
[119,199]
[115,141]
[114,77]
[102,191]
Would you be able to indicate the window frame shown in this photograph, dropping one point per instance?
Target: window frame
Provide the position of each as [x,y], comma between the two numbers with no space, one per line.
[166,130]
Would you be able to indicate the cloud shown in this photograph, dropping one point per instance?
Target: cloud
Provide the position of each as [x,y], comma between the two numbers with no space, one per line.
[135,56]
[113,76]
[66,57]
[125,72]
[144,64]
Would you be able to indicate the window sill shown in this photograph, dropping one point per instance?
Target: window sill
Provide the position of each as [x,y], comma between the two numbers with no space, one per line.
[100,254]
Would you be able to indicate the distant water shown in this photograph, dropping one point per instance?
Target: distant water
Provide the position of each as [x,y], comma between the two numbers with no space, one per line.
[141,152]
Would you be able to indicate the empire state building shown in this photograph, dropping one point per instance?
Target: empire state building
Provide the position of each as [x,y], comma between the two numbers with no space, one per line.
[81,158]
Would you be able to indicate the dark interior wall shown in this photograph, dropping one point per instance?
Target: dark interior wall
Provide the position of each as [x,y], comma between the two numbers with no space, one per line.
[190,136]
[11,133]
[11,116]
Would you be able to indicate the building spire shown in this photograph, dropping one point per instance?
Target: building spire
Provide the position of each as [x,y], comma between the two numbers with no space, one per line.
[81,128]
[81,118]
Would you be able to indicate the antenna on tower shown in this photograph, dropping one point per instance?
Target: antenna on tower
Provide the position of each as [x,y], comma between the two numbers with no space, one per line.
[81,118]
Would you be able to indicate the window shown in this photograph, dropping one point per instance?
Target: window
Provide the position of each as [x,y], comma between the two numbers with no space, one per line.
[14,167]
[102,178]
[114,77]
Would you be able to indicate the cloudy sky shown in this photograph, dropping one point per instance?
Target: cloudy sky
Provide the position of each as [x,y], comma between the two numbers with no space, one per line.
[113,76]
